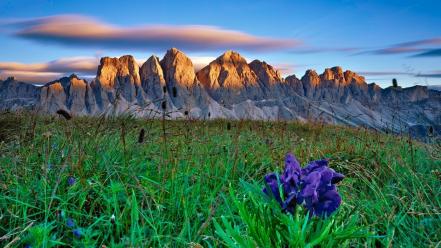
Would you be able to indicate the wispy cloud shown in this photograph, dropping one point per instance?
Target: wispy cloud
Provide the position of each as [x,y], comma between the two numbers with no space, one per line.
[429,53]
[383,73]
[63,65]
[308,50]
[83,66]
[82,31]
[47,71]
[418,48]
[429,74]
[432,74]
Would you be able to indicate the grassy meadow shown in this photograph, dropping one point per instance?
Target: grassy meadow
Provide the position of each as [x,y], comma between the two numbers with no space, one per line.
[94,182]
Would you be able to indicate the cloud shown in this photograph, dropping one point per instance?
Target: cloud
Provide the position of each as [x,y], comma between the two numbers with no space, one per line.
[432,41]
[82,31]
[383,73]
[429,53]
[63,65]
[420,48]
[200,62]
[44,72]
[432,74]
[307,50]
[31,77]
[83,66]
[285,69]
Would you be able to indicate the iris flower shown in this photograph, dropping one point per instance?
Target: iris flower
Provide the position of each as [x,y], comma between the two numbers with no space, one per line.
[71,180]
[70,223]
[312,186]
[77,233]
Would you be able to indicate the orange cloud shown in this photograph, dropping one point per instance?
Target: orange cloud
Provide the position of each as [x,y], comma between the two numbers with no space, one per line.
[44,72]
[76,30]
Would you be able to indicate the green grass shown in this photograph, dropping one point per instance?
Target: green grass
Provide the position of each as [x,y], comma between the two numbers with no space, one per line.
[199,184]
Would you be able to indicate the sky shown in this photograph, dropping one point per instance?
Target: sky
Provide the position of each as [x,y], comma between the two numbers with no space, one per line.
[42,40]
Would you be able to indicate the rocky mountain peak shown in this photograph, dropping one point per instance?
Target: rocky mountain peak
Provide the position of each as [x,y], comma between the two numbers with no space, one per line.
[152,77]
[311,77]
[230,70]
[352,77]
[231,57]
[123,67]
[178,69]
[265,72]
[333,74]
[152,70]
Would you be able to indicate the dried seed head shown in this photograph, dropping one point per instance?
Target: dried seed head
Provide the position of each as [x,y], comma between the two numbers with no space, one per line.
[174,91]
[141,136]
[64,113]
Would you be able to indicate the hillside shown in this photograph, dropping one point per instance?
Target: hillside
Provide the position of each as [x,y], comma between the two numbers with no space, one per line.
[94,182]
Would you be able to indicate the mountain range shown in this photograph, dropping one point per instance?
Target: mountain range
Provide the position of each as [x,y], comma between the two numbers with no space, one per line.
[230,88]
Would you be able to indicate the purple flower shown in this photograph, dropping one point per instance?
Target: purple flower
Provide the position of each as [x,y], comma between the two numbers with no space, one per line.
[272,185]
[322,165]
[71,180]
[289,180]
[77,233]
[312,186]
[70,223]
[291,174]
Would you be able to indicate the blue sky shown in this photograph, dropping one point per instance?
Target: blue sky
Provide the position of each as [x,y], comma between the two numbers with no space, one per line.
[378,39]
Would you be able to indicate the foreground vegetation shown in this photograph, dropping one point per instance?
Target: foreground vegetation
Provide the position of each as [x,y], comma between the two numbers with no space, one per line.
[93,182]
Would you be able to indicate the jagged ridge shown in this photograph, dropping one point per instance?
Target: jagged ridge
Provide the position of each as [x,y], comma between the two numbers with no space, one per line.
[228,87]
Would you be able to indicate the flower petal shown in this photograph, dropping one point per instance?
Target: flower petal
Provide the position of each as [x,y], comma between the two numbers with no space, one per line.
[337,177]
[290,203]
[272,185]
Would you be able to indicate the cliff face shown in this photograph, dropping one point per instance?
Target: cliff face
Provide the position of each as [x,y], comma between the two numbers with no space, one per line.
[152,78]
[17,95]
[228,87]
[182,86]
[118,78]
[68,93]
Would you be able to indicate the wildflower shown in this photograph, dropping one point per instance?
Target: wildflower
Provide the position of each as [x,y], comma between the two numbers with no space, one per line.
[70,223]
[112,219]
[312,186]
[272,185]
[71,181]
[289,181]
[77,233]
[318,192]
